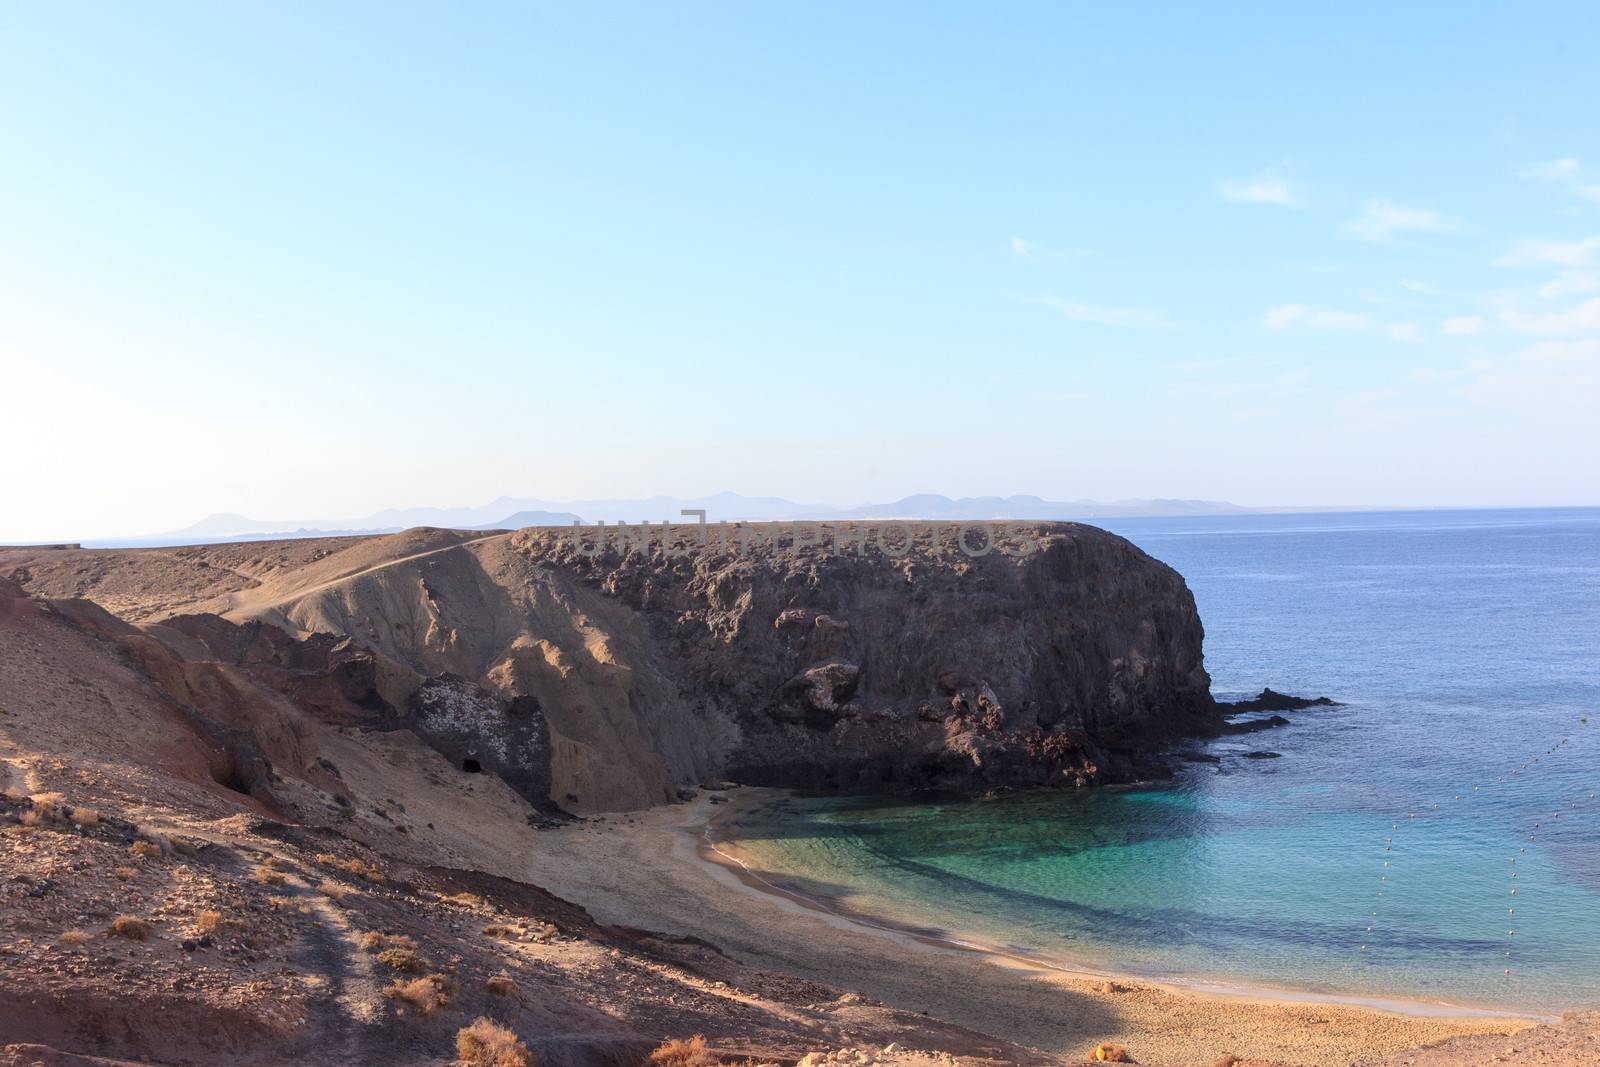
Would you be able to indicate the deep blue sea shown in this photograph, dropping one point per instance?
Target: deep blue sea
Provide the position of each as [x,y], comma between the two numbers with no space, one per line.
[1437,831]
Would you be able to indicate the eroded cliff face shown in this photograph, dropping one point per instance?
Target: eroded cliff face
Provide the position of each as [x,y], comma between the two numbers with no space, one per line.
[1063,655]
[616,673]
[829,667]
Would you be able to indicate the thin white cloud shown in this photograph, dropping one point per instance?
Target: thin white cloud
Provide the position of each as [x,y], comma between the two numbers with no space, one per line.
[1537,252]
[1034,252]
[1461,325]
[1579,319]
[1566,174]
[1556,170]
[1261,190]
[1380,220]
[1570,283]
[1286,315]
[1301,316]
[1104,316]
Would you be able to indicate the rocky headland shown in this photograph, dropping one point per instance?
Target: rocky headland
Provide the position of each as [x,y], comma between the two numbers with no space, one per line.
[612,672]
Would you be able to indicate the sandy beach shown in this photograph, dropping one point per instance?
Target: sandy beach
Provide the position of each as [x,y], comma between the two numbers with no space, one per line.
[654,870]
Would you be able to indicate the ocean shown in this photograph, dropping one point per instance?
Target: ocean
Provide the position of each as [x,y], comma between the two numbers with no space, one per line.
[1435,837]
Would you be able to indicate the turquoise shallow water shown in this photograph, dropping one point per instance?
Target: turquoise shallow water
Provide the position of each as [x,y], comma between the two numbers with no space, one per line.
[1465,645]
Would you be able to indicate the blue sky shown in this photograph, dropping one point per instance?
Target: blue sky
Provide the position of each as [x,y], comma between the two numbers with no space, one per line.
[284,262]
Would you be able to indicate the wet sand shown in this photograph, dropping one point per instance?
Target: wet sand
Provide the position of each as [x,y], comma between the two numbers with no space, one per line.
[657,870]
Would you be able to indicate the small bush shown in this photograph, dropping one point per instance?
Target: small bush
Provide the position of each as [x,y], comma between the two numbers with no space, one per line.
[1228,1060]
[497,930]
[268,876]
[127,874]
[426,995]
[502,985]
[402,959]
[336,891]
[76,937]
[327,859]
[486,1043]
[466,900]
[129,927]
[86,816]
[367,872]
[207,923]
[145,850]
[1106,1052]
[373,941]
[48,806]
[681,1052]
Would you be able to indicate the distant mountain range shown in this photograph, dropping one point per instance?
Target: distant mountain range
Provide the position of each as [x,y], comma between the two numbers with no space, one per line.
[515,512]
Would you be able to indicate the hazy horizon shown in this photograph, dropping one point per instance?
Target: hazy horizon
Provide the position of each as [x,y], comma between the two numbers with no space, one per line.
[207,528]
[273,266]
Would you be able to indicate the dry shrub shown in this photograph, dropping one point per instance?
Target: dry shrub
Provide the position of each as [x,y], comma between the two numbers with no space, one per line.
[208,922]
[270,861]
[486,1043]
[681,1052]
[86,816]
[502,985]
[145,850]
[127,874]
[427,994]
[334,890]
[268,876]
[1228,1060]
[373,941]
[367,872]
[327,859]
[1106,1052]
[129,927]
[466,900]
[402,959]
[48,805]
[76,937]
[497,930]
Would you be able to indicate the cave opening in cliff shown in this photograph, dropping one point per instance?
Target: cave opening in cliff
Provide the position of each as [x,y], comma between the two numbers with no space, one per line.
[471,766]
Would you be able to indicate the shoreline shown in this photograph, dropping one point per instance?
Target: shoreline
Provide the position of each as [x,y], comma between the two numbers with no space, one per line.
[648,870]
[712,851]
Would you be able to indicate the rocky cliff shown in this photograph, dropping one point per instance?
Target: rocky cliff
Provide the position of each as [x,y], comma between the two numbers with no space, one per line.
[854,659]
[831,656]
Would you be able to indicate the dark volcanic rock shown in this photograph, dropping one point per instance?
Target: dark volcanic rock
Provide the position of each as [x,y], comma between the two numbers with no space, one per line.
[479,731]
[1070,662]
[1250,726]
[1272,700]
